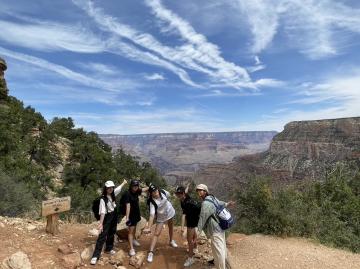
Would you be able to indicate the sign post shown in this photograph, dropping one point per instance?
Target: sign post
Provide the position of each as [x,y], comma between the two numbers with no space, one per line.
[51,209]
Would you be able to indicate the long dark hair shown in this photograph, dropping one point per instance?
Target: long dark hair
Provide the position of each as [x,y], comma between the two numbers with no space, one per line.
[104,193]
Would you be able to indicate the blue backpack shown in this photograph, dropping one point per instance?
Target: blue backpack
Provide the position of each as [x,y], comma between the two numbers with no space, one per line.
[223,215]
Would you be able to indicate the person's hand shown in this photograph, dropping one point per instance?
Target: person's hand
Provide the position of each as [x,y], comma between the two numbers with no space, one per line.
[124,182]
[230,204]
[100,227]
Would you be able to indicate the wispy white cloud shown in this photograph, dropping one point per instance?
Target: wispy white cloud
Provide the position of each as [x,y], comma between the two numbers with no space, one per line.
[200,49]
[49,36]
[148,121]
[155,76]
[115,85]
[312,26]
[335,96]
[99,68]
[196,54]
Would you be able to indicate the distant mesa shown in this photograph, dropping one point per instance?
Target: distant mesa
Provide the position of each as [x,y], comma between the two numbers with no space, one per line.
[178,155]
[305,150]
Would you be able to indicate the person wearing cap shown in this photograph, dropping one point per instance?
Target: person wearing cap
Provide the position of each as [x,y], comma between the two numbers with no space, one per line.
[160,206]
[130,199]
[208,224]
[191,211]
[108,220]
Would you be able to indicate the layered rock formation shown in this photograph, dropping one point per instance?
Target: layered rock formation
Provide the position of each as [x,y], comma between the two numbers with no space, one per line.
[3,88]
[177,156]
[305,150]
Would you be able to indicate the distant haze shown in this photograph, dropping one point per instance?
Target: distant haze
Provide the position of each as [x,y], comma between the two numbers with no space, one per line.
[179,155]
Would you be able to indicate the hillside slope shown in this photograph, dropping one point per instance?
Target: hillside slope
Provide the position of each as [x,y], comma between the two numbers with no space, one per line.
[305,150]
[254,251]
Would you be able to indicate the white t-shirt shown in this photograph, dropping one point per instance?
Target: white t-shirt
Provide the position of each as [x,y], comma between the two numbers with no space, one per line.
[165,210]
[110,205]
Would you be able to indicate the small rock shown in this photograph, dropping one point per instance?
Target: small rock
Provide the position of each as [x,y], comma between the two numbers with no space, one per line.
[87,253]
[72,261]
[18,260]
[93,232]
[65,249]
[138,259]
[119,258]
[30,227]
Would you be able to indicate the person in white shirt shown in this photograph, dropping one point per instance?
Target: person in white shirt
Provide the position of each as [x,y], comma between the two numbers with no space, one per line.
[108,220]
[165,212]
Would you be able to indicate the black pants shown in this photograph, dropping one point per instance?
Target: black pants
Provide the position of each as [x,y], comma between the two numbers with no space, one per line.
[107,235]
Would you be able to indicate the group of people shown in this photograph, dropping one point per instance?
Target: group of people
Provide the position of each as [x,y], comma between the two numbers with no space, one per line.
[197,217]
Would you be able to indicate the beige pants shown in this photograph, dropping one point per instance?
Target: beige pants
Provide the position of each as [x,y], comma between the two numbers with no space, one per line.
[218,246]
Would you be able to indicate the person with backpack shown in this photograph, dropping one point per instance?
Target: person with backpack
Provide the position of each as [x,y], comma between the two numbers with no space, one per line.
[161,207]
[107,219]
[214,220]
[191,212]
[129,204]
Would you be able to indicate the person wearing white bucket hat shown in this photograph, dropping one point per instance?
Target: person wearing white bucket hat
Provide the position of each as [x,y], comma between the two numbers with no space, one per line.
[208,223]
[108,219]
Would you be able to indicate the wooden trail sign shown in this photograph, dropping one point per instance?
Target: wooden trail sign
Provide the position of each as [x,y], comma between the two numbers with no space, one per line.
[51,209]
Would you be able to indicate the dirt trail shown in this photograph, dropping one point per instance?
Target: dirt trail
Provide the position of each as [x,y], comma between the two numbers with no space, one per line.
[255,251]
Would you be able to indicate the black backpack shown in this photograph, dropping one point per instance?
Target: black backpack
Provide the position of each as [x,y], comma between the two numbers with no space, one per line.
[122,207]
[96,205]
[151,200]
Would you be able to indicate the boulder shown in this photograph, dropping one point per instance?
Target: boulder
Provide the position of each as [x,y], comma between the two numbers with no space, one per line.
[87,253]
[71,261]
[18,260]
[119,258]
[138,259]
[65,249]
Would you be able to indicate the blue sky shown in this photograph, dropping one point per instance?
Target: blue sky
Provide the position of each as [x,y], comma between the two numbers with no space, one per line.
[154,66]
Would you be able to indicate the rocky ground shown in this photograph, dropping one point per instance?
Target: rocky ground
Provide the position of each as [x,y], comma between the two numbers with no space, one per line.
[24,244]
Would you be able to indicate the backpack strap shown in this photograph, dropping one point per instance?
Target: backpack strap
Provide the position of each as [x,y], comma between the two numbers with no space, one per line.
[106,200]
[217,207]
[214,202]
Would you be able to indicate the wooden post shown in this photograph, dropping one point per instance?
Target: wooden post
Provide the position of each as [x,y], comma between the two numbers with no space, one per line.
[52,224]
[51,210]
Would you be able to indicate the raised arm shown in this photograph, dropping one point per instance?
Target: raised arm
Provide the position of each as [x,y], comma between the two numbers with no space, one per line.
[119,188]
[187,188]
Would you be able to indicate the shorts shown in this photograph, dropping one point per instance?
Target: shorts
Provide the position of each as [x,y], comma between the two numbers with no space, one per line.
[192,222]
[134,220]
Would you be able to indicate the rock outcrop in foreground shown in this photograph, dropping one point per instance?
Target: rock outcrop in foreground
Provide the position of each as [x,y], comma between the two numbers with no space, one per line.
[305,150]
[25,245]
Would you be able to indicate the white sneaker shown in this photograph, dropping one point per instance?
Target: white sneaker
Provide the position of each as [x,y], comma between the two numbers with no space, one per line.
[150,257]
[189,261]
[136,243]
[93,260]
[132,252]
[173,244]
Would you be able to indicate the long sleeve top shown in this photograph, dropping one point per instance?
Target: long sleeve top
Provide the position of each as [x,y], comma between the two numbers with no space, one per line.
[208,220]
